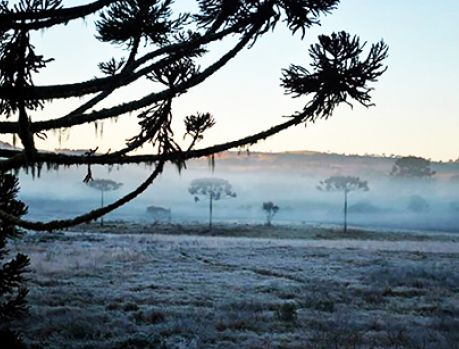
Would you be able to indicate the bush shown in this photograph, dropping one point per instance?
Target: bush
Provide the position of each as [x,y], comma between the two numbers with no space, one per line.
[417,203]
[130,306]
[287,312]
[363,206]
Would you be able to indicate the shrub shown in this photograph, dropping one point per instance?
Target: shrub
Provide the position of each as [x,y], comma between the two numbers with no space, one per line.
[417,203]
[287,312]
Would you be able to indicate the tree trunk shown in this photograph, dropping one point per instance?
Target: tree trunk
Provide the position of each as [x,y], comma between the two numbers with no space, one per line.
[345,211]
[102,205]
[210,210]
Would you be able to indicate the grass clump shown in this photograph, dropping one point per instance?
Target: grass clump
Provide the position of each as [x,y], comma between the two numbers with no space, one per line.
[130,306]
[287,312]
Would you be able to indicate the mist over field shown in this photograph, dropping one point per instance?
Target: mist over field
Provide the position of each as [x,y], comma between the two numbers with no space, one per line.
[300,283]
[237,249]
[289,180]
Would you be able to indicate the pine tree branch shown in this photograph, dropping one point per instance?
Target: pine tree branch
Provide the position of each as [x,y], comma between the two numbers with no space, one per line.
[80,89]
[128,67]
[131,63]
[72,120]
[92,215]
[35,20]
[125,77]
[114,158]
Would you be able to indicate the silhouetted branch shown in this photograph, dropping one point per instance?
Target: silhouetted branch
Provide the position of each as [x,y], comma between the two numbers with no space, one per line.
[92,215]
[339,72]
[127,107]
[125,77]
[339,75]
[78,119]
[111,159]
[45,18]
[325,97]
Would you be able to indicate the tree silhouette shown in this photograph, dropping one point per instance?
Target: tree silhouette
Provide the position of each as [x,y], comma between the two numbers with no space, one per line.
[418,204]
[346,184]
[12,294]
[213,189]
[160,214]
[164,47]
[103,185]
[270,210]
[412,167]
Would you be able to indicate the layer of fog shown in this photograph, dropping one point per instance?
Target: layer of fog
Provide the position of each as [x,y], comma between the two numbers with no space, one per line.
[422,205]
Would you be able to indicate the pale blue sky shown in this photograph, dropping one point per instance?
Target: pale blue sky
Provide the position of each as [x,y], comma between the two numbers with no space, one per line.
[416,100]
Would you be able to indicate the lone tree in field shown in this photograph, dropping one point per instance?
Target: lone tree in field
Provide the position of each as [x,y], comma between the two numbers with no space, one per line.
[270,209]
[346,184]
[170,50]
[213,189]
[103,185]
[412,167]
[12,293]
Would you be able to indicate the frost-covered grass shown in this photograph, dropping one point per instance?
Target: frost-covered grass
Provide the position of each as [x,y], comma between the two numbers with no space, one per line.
[298,231]
[163,291]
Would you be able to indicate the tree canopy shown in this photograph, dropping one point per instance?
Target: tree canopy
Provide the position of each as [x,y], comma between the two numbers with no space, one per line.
[270,209]
[412,167]
[343,183]
[104,184]
[166,48]
[211,188]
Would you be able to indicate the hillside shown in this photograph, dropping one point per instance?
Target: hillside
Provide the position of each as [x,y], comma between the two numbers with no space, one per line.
[310,163]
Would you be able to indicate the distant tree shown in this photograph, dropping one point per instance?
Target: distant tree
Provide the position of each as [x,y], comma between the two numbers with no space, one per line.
[270,210]
[417,203]
[412,167]
[346,184]
[103,185]
[12,293]
[160,214]
[213,189]
[172,50]
[364,206]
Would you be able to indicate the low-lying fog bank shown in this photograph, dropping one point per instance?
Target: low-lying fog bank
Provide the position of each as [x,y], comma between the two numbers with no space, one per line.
[292,185]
